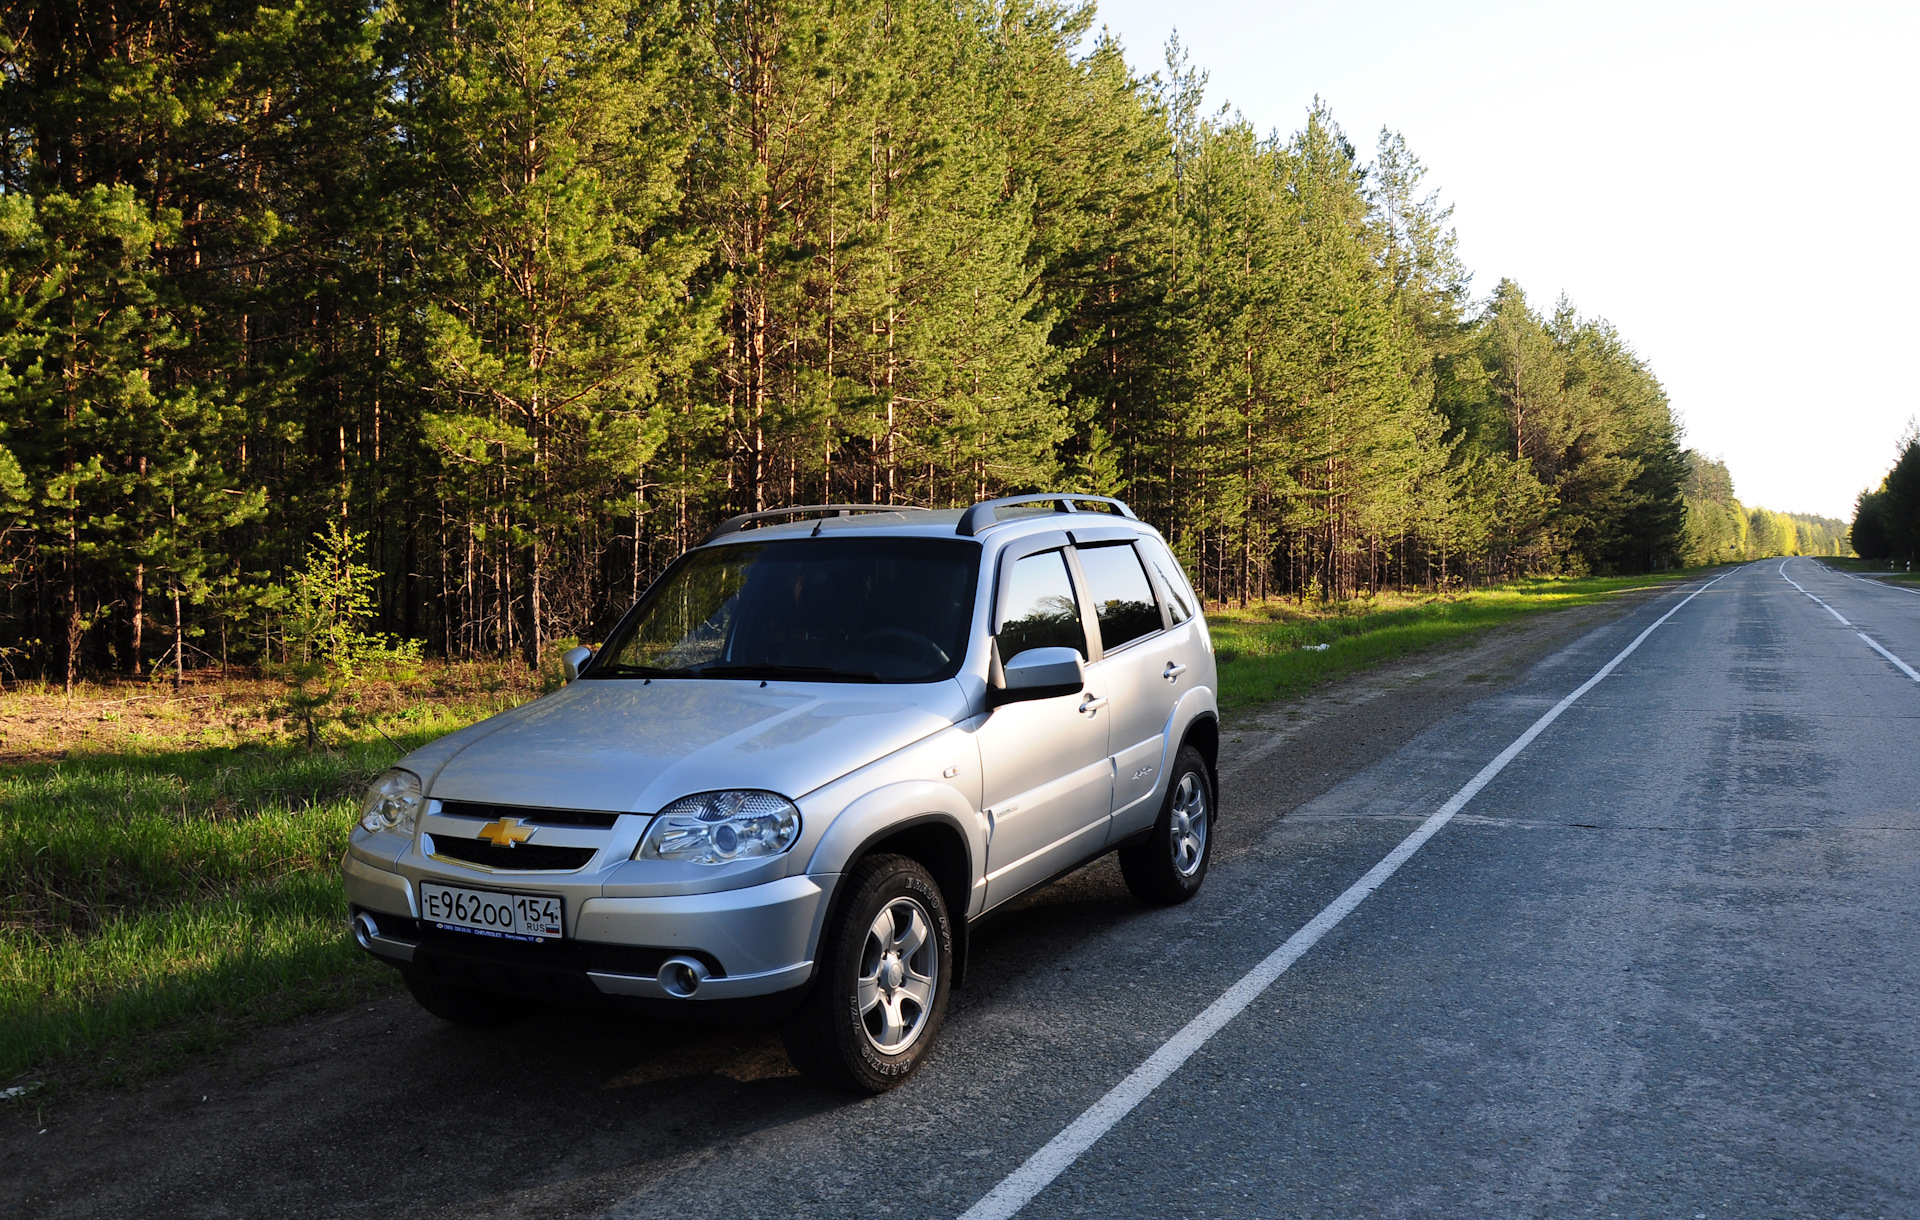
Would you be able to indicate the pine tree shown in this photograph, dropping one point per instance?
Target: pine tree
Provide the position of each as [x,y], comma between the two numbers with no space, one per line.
[129,481]
[556,310]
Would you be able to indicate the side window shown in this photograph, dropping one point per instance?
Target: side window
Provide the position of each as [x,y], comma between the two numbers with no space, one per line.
[1172,581]
[1121,595]
[1041,610]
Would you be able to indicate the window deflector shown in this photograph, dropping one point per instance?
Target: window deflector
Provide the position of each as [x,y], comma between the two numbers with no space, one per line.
[1094,535]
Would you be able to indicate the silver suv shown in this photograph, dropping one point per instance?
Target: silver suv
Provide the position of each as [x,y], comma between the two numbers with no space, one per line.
[825,744]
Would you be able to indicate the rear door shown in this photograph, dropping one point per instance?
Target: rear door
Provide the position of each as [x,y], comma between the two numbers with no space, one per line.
[1136,670]
[1047,780]
[1179,663]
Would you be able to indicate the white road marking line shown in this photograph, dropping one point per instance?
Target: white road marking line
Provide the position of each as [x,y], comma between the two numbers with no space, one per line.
[1873,584]
[1824,606]
[1875,645]
[1019,1187]
[1871,642]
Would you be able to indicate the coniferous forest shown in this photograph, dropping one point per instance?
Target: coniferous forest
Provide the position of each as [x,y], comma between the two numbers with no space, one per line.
[1886,519]
[1719,529]
[521,298]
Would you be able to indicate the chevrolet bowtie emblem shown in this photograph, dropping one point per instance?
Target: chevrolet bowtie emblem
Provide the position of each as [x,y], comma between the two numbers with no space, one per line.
[505,833]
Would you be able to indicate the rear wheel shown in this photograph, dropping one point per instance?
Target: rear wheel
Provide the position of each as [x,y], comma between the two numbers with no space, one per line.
[467,1005]
[1170,865]
[880,992]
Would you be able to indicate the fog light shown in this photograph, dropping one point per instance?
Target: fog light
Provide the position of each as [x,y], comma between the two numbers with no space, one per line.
[682,976]
[364,930]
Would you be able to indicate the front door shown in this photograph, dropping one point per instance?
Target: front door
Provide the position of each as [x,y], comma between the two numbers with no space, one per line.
[1047,780]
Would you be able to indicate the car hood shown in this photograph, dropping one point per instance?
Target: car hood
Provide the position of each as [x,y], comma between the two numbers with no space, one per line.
[632,747]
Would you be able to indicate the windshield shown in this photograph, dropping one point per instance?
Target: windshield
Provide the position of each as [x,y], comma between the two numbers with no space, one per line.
[809,609]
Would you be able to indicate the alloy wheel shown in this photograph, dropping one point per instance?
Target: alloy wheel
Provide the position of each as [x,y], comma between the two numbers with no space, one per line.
[899,971]
[1189,824]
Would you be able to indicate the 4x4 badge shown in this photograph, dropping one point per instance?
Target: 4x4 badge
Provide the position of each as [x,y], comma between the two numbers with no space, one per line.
[507,832]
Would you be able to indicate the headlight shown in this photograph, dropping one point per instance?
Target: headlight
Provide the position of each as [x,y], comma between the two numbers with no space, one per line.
[721,827]
[392,802]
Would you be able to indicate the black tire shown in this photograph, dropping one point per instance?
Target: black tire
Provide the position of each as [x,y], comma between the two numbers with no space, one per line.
[832,1039]
[1165,868]
[467,1005]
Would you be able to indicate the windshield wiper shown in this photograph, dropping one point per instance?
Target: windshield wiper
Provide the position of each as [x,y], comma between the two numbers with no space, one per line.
[622,670]
[796,673]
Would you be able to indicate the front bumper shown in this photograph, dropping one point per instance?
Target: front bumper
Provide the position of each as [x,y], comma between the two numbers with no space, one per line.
[756,941]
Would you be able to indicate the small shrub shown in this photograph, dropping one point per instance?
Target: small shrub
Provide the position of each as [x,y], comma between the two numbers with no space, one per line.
[323,611]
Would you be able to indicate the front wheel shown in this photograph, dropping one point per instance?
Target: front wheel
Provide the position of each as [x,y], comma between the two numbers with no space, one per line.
[1170,865]
[881,989]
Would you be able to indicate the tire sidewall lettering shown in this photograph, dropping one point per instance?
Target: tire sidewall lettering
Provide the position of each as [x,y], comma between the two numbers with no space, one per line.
[915,886]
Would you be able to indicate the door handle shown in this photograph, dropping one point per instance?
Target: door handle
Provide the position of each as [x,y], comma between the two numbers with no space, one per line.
[1173,671]
[1092,703]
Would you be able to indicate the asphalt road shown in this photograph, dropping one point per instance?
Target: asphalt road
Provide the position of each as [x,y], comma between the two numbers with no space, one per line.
[1666,963]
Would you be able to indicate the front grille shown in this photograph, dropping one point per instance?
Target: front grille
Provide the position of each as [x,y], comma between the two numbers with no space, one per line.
[525,857]
[537,817]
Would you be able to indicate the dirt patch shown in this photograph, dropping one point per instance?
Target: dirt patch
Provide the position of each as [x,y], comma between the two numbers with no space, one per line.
[41,723]
[378,1110]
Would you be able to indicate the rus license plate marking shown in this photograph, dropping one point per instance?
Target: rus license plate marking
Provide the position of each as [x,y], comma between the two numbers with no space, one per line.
[489,913]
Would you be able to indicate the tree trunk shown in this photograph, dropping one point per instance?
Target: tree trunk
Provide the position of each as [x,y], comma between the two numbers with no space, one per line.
[534,582]
[139,612]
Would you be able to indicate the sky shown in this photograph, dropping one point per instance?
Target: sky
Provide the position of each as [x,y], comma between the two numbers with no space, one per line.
[1733,186]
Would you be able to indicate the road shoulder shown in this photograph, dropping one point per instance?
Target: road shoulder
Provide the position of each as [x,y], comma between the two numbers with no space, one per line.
[299,1093]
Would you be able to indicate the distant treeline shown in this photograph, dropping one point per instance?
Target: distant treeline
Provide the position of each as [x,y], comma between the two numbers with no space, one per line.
[1719,529]
[531,294]
[1886,520]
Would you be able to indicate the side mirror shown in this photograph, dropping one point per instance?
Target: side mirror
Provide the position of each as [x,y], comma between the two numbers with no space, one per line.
[572,659]
[1040,673]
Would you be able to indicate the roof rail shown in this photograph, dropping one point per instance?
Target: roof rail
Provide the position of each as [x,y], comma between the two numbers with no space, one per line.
[733,525]
[986,513]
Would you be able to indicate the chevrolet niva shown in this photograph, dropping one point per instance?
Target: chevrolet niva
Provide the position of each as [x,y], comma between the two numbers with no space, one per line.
[823,746]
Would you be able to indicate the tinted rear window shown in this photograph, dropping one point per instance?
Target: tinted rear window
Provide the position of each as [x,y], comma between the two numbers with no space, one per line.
[1173,581]
[1122,596]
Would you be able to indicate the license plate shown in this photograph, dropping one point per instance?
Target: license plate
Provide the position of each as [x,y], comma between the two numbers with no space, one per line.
[509,916]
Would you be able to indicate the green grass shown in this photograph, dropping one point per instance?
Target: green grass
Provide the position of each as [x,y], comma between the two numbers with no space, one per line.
[1876,567]
[155,903]
[1263,650]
